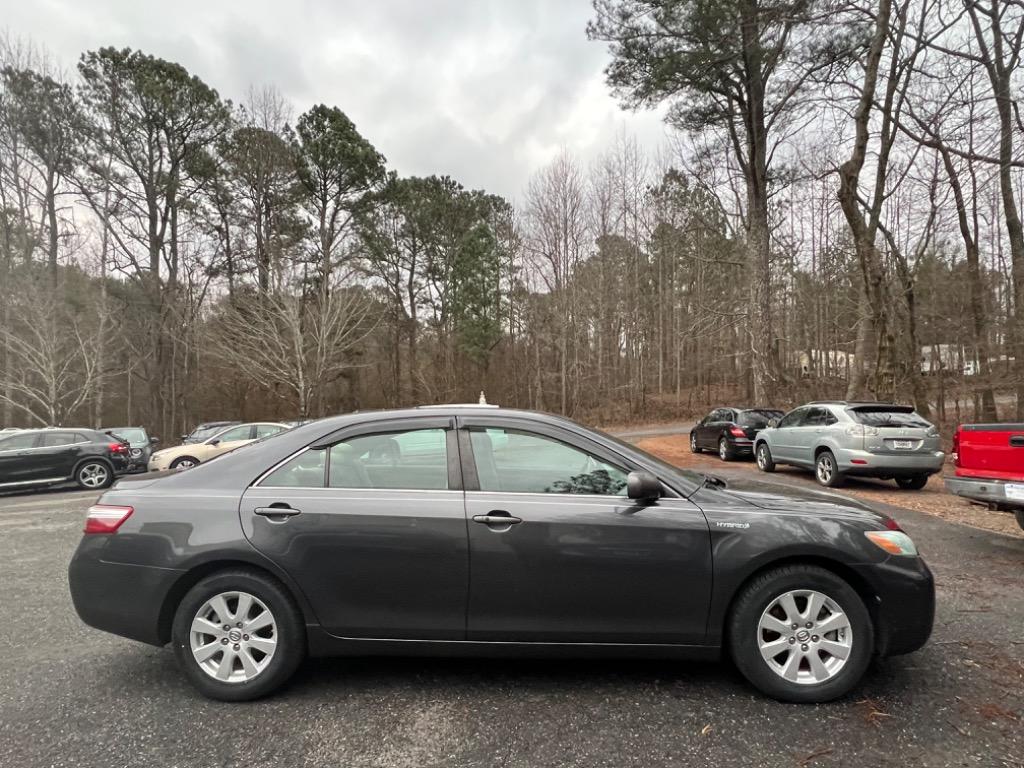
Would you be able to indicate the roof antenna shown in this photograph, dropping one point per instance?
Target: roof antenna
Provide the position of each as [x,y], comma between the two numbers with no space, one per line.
[483,400]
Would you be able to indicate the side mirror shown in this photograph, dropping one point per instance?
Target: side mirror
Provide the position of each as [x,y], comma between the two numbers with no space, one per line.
[184,437]
[773,423]
[215,442]
[643,486]
[154,440]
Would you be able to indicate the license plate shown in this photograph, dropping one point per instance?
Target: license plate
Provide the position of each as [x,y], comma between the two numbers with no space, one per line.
[903,444]
[1014,491]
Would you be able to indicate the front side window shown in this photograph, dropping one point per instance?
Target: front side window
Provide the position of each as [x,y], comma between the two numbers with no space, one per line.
[522,462]
[18,442]
[412,460]
[792,418]
[243,432]
[307,470]
[266,430]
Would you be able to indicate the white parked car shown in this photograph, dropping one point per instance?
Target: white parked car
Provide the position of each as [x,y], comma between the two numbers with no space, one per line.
[229,438]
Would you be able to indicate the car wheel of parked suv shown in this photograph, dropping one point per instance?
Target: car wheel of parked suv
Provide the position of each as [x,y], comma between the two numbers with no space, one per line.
[800,633]
[93,476]
[764,458]
[826,471]
[238,635]
[693,443]
[725,452]
[913,483]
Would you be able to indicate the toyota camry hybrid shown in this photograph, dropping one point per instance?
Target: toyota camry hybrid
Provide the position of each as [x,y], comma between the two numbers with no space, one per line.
[479,531]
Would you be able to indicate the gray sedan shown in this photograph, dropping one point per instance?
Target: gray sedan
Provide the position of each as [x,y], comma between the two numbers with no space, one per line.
[487,532]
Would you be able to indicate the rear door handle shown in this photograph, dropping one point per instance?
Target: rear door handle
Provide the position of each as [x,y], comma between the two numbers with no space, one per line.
[277,514]
[497,518]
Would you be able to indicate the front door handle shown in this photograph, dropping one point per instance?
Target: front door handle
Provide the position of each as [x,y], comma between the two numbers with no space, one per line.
[277,514]
[497,517]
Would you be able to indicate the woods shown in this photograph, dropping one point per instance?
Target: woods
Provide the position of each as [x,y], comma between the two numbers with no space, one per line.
[835,213]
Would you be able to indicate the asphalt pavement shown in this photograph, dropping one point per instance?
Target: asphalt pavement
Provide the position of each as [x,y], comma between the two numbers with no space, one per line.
[73,696]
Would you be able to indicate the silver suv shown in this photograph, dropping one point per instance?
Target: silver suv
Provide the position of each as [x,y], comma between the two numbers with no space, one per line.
[839,438]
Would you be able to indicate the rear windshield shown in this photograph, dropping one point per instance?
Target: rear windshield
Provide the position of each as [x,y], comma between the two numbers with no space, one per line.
[757,418]
[891,417]
[133,435]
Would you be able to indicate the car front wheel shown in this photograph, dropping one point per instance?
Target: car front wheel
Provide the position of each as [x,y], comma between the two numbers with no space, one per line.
[238,635]
[827,471]
[693,443]
[185,462]
[800,633]
[764,458]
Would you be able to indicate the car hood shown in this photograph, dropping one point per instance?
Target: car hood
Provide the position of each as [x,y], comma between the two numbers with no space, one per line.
[774,496]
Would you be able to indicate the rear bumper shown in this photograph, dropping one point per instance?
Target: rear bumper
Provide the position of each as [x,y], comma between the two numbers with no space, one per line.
[857,462]
[741,445]
[904,610]
[982,489]
[122,599]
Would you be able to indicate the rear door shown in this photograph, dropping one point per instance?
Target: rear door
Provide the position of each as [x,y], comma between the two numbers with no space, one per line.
[576,560]
[372,527]
[58,452]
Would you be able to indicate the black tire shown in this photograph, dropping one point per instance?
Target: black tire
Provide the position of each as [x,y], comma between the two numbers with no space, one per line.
[725,451]
[289,634]
[1019,514]
[184,462]
[763,455]
[826,470]
[693,443]
[744,631]
[101,472]
[912,483]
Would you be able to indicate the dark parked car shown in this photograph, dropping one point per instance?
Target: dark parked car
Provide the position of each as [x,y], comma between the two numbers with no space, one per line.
[503,533]
[140,445]
[731,431]
[40,457]
[205,431]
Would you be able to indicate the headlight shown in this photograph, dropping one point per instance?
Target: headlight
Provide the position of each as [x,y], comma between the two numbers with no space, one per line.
[893,542]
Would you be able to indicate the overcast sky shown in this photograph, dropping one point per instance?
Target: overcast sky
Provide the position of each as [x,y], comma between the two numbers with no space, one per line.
[486,91]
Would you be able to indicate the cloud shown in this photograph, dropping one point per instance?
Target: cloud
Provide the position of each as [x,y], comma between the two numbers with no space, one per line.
[485,91]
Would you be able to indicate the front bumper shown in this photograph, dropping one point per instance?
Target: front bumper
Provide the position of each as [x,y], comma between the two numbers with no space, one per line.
[853,461]
[982,489]
[904,608]
[122,599]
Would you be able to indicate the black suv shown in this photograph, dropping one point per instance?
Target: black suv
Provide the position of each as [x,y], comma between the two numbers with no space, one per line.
[39,457]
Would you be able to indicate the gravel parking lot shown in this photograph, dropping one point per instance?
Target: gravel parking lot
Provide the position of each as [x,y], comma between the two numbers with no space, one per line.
[72,696]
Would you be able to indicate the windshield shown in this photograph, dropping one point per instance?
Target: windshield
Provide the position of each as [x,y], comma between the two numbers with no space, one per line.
[757,418]
[133,435]
[891,417]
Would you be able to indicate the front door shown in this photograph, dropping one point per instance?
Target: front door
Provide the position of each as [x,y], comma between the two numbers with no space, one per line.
[786,436]
[17,460]
[576,560]
[373,529]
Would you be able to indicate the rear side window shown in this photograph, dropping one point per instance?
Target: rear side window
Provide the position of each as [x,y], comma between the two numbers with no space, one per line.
[522,462]
[819,417]
[882,417]
[55,439]
[413,460]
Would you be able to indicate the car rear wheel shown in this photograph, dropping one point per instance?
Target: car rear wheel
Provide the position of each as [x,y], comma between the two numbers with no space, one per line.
[238,635]
[725,451]
[827,471]
[800,633]
[913,483]
[184,462]
[94,476]
[693,443]
[764,458]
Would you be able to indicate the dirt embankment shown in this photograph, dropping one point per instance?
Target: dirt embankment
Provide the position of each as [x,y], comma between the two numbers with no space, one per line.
[932,499]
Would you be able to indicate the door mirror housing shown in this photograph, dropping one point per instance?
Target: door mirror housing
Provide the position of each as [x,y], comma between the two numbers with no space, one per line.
[215,441]
[643,486]
[154,440]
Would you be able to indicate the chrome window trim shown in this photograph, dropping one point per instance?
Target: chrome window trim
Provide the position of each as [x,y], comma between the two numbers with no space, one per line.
[44,447]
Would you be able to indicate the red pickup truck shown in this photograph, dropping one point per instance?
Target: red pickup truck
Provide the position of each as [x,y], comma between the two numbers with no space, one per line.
[989,460]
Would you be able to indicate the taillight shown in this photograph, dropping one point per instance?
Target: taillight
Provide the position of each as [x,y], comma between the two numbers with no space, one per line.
[118,448]
[106,518]
[737,432]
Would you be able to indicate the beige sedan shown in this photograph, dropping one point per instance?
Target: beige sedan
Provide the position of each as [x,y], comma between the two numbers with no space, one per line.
[229,438]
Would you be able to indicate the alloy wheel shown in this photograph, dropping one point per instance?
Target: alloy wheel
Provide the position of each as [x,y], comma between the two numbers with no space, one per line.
[762,457]
[805,637]
[825,468]
[723,449]
[93,475]
[693,443]
[233,637]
